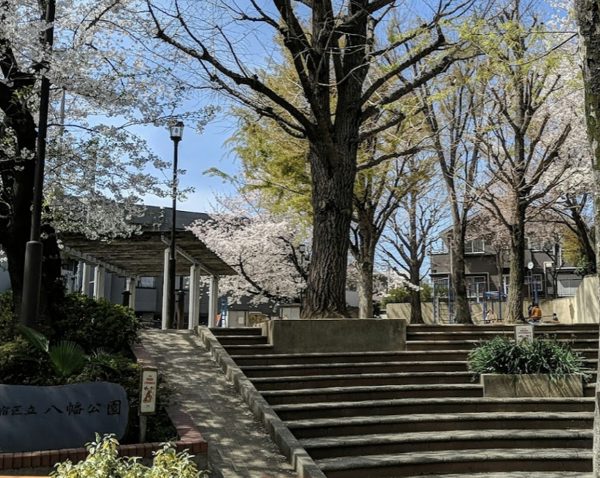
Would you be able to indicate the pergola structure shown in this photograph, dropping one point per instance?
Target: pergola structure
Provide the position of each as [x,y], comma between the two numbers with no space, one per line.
[146,254]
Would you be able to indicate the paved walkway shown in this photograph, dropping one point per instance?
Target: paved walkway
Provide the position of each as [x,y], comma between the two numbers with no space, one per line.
[238,445]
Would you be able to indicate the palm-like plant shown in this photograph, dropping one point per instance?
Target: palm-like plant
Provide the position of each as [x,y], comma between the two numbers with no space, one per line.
[67,358]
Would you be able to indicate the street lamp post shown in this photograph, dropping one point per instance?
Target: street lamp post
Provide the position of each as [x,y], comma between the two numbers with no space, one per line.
[34,249]
[530,267]
[176,132]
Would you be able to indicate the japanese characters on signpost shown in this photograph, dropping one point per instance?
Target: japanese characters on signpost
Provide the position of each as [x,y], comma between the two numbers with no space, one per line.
[524,333]
[36,418]
[148,385]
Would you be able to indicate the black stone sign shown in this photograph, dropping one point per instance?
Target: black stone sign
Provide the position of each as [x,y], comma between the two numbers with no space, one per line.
[67,416]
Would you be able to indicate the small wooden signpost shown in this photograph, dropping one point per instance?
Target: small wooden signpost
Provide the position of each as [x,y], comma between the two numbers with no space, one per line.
[148,387]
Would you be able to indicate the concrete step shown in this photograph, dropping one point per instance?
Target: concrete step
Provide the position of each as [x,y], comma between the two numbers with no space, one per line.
[260,349]
[344,394]
[407,406]
[426,358]
[349,357]
[459,461]
[479,334]
[319,381]
[589,389]
[587,354]
[220,331]
[227,340]
[516,474]
[353,368]
[376,444]
[321,427]
[576,328]
[584,344]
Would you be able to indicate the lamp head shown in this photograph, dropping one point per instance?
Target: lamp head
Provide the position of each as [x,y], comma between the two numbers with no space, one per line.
[176,131]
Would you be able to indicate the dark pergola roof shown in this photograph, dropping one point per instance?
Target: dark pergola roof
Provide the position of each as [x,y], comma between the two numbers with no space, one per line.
[143,254]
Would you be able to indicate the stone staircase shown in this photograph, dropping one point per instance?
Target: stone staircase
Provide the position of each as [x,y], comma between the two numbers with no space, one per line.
[418,412]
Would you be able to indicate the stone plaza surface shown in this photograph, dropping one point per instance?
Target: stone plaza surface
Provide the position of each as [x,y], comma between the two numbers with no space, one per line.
[239,446]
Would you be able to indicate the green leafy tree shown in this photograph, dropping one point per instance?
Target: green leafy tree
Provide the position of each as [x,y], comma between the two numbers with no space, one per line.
[387,170]
[522,137]
[333,46]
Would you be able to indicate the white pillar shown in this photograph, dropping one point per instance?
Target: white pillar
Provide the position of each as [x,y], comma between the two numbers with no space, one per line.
[130,285]
[213,301]
[99,279]
[194,298]
[165,307]
[86,274]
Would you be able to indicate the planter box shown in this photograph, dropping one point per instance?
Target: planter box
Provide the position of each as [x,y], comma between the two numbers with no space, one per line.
[502,385]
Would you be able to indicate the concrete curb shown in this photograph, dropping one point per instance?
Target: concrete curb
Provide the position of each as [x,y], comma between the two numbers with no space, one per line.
[290,447]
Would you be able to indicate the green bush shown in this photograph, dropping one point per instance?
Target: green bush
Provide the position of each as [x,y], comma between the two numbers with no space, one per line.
[93,324]
[401,295]
[541,356]
[104,331]
[23,364]
[103,461]
[7,318]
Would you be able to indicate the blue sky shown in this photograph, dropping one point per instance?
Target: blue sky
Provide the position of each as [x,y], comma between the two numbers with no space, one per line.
[197,153]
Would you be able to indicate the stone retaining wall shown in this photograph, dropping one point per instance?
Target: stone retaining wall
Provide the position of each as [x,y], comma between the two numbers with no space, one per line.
[335,335]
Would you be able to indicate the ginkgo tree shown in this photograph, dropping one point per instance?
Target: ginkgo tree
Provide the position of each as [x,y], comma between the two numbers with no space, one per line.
[333,46]
[523,142]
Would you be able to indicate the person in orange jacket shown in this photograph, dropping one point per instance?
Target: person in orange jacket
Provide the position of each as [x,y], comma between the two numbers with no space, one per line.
[536,314]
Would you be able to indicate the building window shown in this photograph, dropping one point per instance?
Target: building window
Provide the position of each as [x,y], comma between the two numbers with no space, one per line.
[541,245]
[476,246]
[476,286]
[439,247]
[441,286]
[146,283]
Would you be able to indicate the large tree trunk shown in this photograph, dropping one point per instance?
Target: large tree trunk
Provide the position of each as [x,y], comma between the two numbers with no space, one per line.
[416,315]
[588,18]
[365,290]
[333,172]
[364,255]
[462,311]
[517,268]
[17,190]
[16,202]
[583,234]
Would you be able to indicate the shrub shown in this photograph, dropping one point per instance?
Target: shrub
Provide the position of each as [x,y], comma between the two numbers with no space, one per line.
[7,317]
[541,356]
[93,324]
[85,341]
[401,295]
[23,364]
[104,461]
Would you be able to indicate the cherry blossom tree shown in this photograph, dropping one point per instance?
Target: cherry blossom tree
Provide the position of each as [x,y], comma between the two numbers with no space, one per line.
[262,247]
[102,83]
